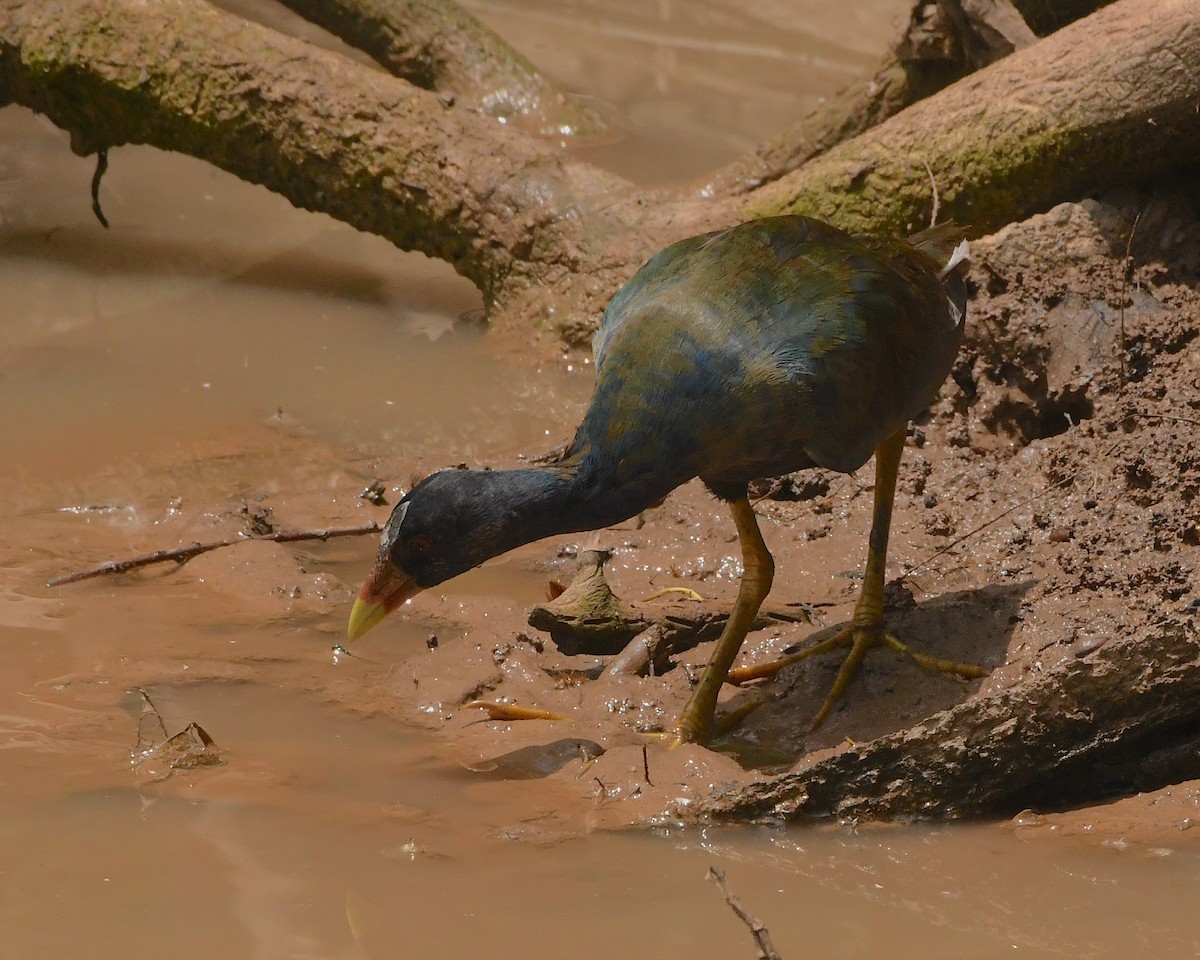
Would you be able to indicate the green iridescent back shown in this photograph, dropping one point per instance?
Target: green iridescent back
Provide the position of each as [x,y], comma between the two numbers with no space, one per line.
[771,346]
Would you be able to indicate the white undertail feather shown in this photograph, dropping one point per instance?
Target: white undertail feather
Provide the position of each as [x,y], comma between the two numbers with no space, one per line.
[961,252]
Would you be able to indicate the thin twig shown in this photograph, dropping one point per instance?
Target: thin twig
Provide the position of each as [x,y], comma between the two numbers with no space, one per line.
[1125,265]
[1161,416]
[762,938]
[101,166]
[183,554]
[1000,516]
[987,523]
[936,202]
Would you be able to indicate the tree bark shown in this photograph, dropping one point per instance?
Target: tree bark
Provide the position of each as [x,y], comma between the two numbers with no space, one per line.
[1107,100]
[439,46]
[1085,724]
[930,54]
[328,134]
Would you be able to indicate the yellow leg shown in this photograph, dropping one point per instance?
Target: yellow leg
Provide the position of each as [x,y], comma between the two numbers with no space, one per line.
[867,628]
[696,721]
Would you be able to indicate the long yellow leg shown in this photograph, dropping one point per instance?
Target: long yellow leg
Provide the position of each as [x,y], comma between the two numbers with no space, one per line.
[696,720]
[867,628]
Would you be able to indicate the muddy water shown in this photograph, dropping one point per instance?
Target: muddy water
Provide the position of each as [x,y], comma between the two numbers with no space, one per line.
[217,346]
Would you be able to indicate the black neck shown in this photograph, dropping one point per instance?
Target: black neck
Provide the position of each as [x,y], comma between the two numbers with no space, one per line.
[582,491]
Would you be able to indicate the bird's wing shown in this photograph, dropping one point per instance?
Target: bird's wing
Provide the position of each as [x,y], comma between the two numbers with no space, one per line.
[777,341]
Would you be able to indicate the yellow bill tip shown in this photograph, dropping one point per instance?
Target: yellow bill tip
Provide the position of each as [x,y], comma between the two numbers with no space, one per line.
[363,616]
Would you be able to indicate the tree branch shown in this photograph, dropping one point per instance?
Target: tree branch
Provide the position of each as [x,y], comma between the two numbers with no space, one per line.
[328,134]
[762,937]
[183,554]
[1107,100]
[928,56]
[439,46]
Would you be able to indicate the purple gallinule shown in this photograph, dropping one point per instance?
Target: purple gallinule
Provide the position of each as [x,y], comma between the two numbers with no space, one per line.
[772,346]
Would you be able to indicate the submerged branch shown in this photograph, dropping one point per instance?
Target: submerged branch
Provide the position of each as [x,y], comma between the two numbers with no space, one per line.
[762,936]
[183,554]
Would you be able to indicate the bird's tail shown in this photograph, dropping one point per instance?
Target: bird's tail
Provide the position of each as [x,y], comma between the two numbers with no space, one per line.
[946,243]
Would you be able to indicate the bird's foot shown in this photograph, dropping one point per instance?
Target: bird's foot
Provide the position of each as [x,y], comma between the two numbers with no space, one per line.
[694,728]
[499,710]
[695,725]
[859,638]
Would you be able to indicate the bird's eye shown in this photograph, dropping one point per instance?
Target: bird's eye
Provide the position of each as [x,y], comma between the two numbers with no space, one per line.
[420,544]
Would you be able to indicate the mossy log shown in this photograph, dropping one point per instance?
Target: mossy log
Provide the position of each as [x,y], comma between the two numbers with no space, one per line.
[934,50]
[330,134]
[1108,99]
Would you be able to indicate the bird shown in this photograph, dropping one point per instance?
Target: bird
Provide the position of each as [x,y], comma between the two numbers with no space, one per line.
[774,345]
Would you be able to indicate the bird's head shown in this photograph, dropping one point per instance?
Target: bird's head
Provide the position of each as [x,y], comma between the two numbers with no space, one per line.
[448,523]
